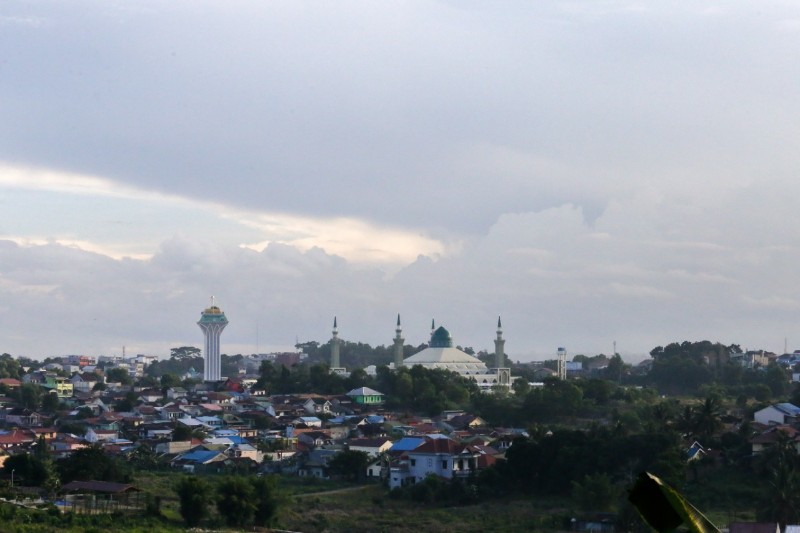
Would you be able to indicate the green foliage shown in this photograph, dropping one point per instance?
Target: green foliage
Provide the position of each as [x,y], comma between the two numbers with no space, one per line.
[549,464]
[50,402]
[236,501]
[28,470]
[10,367]
[118,375]
[92,463]
[184,352]
[29,395]
[267,500]
[437,491]
[595,493]
[349,464]
[194,496]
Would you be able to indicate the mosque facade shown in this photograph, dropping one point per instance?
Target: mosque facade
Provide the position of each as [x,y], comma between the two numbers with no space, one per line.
[441,353]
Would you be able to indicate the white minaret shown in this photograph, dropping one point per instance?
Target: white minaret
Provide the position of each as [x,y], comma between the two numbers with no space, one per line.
[499,347]
[503,373]
[398,344]
[335,343]
[335,346]
[212,322]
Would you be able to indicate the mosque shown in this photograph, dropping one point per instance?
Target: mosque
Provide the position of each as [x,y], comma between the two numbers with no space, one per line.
[441,353]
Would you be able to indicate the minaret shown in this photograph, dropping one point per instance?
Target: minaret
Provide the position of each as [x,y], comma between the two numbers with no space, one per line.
[398,344]
[499,347]
[212,322]
[433,327]
[335,346]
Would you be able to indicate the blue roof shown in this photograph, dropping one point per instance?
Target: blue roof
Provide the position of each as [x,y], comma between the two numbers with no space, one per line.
[199,456]
[407,444]
[788,408]
[376,419]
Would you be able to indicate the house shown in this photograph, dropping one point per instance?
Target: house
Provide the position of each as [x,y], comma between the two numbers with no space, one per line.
[695,452]
[175,393]
[465,421]
[779,413]
[84,382]
[93,497]
[101,435]
[16,441]
[19,416]
[308,421]
[372,447]
[365,396]
[317,405]
[199,457]
[774,435]
[314,438]
[60,385]
[11,383]
[65,444]
[442,457]
[316,463]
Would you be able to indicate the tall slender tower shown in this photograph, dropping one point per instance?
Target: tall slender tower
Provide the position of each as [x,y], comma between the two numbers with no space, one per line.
[335,347]
[503,373]
[562,363]
[499,347]
[398,344]
[212,322]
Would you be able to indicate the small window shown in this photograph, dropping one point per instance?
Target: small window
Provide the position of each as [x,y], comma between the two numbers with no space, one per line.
[444,465]
[413,462]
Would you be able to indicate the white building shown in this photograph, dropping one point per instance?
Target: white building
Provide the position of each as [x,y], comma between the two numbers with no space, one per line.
[779,413]
[440,353]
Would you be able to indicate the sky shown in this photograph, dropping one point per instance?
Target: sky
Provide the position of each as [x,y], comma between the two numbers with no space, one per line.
[592,172]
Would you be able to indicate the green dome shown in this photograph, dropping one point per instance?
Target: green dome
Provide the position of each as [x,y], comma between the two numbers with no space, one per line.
[441,339]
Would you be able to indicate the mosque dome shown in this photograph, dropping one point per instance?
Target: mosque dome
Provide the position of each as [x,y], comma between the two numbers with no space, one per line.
[441,354]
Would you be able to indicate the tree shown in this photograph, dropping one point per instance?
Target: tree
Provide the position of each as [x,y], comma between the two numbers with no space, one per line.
[50,402]
[267,500]
[594,493]
[349,464]
[184,352]
[29,395]
[236,501]
[9,367]
[127,403]
[28,469]
[194,496]
[168,381]
[92,463]
[118,375]
[707,418]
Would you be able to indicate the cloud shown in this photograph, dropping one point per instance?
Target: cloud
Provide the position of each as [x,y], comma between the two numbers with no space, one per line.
[357,240]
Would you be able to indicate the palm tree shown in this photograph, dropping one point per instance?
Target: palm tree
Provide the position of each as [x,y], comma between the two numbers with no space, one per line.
[708,417]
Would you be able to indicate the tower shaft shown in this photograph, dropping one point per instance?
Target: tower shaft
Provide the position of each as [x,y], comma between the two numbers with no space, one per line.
[398,345]
[212,322]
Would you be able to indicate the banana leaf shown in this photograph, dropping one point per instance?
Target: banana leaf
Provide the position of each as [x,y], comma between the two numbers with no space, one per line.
[664,508]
